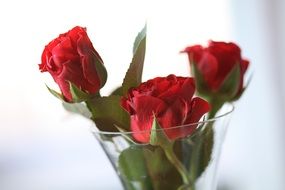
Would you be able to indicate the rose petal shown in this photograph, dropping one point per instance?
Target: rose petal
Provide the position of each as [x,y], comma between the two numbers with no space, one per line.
[227,55]
[194,53]
[88,64]
[198,108]
[147,105]
[244,66]
[140,135]
[175,115]
[208,67]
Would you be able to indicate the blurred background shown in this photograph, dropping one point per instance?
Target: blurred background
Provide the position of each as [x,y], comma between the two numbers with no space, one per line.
[44,147]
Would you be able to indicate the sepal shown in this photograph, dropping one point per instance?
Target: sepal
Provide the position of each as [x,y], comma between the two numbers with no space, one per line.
[201,85]
[242,90]
[230,86]
[158,136]
[77,94]
[56,94]
[101,70]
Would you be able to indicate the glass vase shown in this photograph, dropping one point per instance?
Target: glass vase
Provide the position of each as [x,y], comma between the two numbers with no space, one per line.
[188,163]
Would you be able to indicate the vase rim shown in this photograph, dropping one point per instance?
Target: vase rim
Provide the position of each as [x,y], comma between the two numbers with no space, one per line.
[230,108]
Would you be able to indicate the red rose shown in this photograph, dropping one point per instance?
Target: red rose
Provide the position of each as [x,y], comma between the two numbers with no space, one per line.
[171,100]
[216,62]
[72,58]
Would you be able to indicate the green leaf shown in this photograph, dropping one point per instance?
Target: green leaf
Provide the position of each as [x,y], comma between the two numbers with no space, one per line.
[77,108]
[117,91]
[77,94]
[157,135]
[201,151]
[132,168]
[134,74]
[140,37]
[156,160]
[230,86]
[107,112]
[56,94]
[162,173]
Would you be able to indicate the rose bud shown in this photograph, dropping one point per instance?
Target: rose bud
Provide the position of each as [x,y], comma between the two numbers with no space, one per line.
[72,59]
[218,69]
[168,99]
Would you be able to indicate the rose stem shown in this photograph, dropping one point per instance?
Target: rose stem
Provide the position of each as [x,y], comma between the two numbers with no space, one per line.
[176,162]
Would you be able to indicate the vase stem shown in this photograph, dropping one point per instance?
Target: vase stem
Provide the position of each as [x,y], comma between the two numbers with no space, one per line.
[178,165]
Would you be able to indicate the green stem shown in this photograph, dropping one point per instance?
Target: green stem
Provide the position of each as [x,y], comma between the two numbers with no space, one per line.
[90,104]
[216,106]
[177,164]
[203,144]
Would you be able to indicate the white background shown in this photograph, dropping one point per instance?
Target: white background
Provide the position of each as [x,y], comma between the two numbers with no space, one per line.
[43,147]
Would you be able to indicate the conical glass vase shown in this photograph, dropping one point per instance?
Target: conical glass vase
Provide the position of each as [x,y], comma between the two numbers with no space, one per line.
[185,163]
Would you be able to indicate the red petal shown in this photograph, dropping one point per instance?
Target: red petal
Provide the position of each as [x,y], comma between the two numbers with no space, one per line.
[145,107]
[208,66]
[88,64]
[187,89]
[125,103]
[227,55]
[183,113]
[182,87]
[174,116]
[244,66]
[140,135]
[45,57]
[194,52]
[63,84]
[64,52]
[198,108]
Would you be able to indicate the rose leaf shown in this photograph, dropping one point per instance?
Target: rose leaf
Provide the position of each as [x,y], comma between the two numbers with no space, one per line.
[107,112]
[133,76]
[77,108]
[133,169]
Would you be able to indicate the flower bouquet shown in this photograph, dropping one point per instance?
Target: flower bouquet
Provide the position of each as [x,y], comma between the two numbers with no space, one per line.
[164,133]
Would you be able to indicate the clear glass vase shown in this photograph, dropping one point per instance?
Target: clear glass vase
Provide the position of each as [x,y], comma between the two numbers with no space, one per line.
[188,163]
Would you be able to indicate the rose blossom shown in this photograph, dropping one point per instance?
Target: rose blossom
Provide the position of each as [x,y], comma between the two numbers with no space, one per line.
[216,62]
[170,100]
[71,58]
